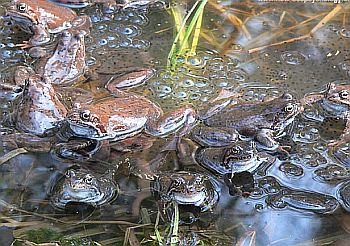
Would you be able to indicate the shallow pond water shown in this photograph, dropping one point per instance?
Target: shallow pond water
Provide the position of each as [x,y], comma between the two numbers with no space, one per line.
[259,49]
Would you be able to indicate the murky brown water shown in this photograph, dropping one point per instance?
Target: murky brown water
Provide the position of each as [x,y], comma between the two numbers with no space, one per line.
[301,200]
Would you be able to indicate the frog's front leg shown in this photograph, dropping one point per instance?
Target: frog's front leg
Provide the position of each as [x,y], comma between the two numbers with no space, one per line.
[266,139]
[183,117]
[40,37]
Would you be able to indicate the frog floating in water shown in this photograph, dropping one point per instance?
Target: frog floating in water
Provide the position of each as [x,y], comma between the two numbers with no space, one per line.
[125,116]
[79,185]
[336,102]
[42,18]
[238,157]
[262,121]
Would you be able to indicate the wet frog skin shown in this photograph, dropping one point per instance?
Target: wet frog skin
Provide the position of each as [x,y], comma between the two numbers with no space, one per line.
[125,116]
[40,18]
[187,188]
[40,111]
[67,62]
[79,185]
[238,157]
[259,120]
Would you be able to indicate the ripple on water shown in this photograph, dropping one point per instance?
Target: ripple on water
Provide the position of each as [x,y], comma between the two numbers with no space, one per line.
[293,57]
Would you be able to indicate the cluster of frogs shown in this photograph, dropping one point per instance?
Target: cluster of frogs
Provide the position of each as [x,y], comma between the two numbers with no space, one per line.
[54,115]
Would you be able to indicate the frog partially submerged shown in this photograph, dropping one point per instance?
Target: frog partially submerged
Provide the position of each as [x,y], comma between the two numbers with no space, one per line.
[262,121]
[80,185]
[336,102]
[187,188]
[238,157]
[41,18]
[125,116]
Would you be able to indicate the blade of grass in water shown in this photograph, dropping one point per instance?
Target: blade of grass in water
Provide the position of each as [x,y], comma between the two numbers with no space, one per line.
[174,236]
[170,56]
[197,18]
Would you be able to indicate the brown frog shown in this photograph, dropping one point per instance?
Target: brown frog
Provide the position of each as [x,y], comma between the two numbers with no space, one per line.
[66,63]
[126,115]
[262,121]
[41,18]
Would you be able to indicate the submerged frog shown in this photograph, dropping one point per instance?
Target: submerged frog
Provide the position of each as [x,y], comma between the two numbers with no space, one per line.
[262,121]
[41,18]
[125,116]
[238,157]
[79,185]
[335,102]
[187,188]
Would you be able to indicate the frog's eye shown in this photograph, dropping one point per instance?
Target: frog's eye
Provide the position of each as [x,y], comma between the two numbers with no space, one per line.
[22,7]
[235,150]
[288,108]
[177,182]
[88,179]
[199,181]
[344,94]
[85,115]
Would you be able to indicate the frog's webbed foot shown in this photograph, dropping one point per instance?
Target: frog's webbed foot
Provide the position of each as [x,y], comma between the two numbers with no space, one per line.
[282,148]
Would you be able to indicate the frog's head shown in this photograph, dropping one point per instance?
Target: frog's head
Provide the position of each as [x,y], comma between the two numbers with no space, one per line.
[187,188]
[284,109]
[82,185]
[23,11]
[88,122]
[239,153]
[338,93]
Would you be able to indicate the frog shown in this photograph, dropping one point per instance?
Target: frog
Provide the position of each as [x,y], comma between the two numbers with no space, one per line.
[41,18]
[125,115]
[238,157]
[66,63]
[81,185]
[261,121]
[187,188]
[336,103]
[39,112]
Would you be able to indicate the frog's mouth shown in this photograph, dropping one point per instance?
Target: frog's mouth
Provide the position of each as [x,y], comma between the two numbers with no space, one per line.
[195,198]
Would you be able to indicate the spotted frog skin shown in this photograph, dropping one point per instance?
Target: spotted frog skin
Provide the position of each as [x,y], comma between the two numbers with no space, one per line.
[40,18]
[187,188]
[238,157]
[79,185]
[125,116]
[261,121]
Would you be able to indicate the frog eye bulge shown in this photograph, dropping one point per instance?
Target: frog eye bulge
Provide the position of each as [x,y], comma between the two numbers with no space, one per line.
[88,179]
[177,182]
[344,94]
[289,108]
[235,150]
[22,7]
[85,115]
